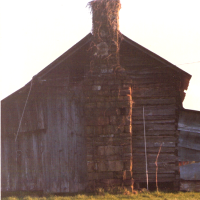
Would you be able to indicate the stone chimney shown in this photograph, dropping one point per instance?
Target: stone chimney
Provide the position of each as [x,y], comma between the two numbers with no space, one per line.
[106,35]
[108,105]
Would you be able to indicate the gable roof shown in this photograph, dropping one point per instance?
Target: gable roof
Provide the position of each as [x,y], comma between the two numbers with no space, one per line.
[86,40]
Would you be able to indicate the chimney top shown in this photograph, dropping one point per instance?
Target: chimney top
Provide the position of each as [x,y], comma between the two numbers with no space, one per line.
[106,33]
[105,14]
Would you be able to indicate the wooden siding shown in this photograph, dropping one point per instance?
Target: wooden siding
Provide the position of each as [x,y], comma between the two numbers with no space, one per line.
[190,172]
[157,88]
[189,150]
[189,121]
[189,138]
[52,159]
[160,125]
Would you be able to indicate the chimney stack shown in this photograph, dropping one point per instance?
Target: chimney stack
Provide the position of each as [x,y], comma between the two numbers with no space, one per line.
[106,34]
[108,105]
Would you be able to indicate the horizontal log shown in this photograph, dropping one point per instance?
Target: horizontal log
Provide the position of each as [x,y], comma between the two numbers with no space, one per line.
[146,79]
[154,117]
[151,101]
[155,92]
[154,110]
[164,121]
[153,69]
[153,150]
[166,83]
[169,168]
[151,159]
[154,133]
[152,177]
[152,73]
[156,127]
[154,141]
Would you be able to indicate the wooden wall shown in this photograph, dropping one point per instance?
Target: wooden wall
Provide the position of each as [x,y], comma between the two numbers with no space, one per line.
[49,153]
[189,150]
[156,88]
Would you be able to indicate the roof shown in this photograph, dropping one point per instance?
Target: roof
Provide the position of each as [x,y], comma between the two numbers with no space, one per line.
[86,40]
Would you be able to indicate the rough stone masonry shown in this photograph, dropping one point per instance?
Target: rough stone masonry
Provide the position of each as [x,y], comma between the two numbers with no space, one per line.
[108,104]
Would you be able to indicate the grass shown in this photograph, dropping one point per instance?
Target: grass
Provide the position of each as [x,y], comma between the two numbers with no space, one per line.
[138,196]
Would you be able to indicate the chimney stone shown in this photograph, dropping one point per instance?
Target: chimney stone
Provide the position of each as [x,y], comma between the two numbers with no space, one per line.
[106,35]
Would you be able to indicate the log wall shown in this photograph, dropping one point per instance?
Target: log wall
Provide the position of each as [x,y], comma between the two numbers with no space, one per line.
[160,102]
[158,89]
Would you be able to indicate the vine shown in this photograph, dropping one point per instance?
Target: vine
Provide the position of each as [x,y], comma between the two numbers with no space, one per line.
[105,45]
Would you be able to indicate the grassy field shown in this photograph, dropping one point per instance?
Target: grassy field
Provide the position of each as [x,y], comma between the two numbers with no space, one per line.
[138,196]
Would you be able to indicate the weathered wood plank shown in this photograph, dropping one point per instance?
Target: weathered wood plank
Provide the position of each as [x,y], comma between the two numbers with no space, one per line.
[161,121]
[154,141]
[155,127]
[189,121]
[164,83]
[162,168]
[190,186]
[163,158]
[190,172]
[152,177]
[189,140]
[151,101]
[64,172]
[157,69]
[154,92]
[151,78]
[154,73]
[185,154]
[8,164]
[154,133]
[153,149]
[168,111]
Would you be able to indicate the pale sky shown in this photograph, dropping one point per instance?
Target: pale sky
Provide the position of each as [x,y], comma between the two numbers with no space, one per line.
[33,33]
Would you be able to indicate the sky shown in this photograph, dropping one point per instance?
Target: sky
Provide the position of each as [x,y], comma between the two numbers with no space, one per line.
[33,33]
